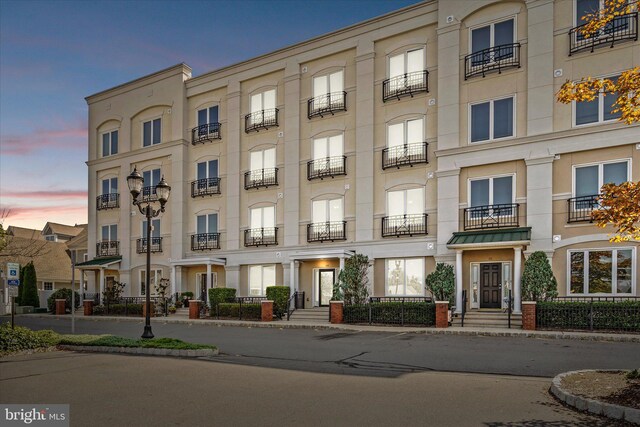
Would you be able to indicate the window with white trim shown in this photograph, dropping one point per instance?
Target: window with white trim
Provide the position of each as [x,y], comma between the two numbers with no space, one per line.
[492,119]
[47,286]
[263,221]
[598,110]
[405,277]
[208,115]
[207,169]
[405,202]
[601,271]
[326,147]
[324,211]
[401,135]
[207,223]
[109,233]
[261,277]
[405,63]
[491,191]
[109,185]
[155,276]
[588,179]
[110,143]
[155,228]
[327,84]
[491,36]
[262,159]
[263,101]
[586,7]
[151,132]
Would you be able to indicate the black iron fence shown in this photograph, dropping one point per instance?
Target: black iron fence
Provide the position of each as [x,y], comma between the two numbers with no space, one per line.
[148,194]
[406,84]
[132,306]
[329,103]
[108,248]
[261,236]
[624,27]
[405,155]
[580,208]
[492,216]
[91,296]
[203,133]
[326,231]
[404,225]
[263,119]
[619,314]
[392,311]
[327,167]
[205,187]
[205,241]
[492,59]
[260,178]
[108,201]
[156,245]
[248,308]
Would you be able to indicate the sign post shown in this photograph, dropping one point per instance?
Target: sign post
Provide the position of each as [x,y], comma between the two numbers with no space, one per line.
[13,281]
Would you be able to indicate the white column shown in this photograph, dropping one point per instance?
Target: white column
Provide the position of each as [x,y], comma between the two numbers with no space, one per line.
[173,280]
[232,188]
[517,274]
[101,286]
[292,277]
[81,282]
[372,277]
[341,263]
[208,282]
[458,281]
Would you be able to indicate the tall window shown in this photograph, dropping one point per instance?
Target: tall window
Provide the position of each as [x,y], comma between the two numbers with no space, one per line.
[264,217]
[155,276]
[263,101]
[207,169]
[327,211]
[208,115]
[601,271]
[405,277]
[155,228]
[151,132]
[598,110]
[492,36]
[331,146]
[325,85]
[207,223]
[589,179]
[109,185]
[110,143]
[263,159]
[408,62]
[492,120]
[491,191]
[151,178]
[400,135]
[110,233]
[260,277]
[405,202]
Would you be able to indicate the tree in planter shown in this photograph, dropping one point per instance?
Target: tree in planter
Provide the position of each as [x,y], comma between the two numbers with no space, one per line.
[30,292]
[161,291]
[113,293]
[441,283]
[352,281]
[538,282]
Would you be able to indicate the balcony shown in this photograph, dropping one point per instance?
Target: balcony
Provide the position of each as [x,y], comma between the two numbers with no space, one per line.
[107,248]
[203,133]
[407,84]
[205,241]
[205,187]
[108,201]
[327,104]
[261,236]
[491,60]
[405,155]
[491,216]
[580,208]
[148,194]
[156,245]
[404,225]
[327,231]
[327,167]
[624,27]
[263,119]
[261,178]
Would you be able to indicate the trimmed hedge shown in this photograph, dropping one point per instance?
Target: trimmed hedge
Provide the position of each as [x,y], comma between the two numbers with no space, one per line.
[114,341]
[280,296]
[612,316]
[218,295]
[392,313]
[122,309]
[20,339]
[232,310]
[60,294]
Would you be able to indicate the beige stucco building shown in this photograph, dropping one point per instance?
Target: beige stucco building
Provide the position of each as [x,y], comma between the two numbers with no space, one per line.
[430,134]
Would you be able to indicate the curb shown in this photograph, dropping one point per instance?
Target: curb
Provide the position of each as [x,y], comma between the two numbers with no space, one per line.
[203,352]
[593,406]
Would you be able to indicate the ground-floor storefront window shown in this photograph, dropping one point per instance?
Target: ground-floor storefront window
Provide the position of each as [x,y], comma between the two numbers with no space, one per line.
[601,271]
[405,277]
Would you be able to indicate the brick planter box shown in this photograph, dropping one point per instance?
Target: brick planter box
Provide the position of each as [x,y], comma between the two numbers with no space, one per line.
[194,309]
[266,309]
[529,315]
[88,308]
[336,309]
[60,306]
[442,314]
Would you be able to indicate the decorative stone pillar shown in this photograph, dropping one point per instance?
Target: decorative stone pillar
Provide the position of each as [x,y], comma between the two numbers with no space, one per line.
[60,306]
[336,309]
[442,314]
[459,281]
[266,311]
[529,315]
[194,309]
[517,275]
[88,307]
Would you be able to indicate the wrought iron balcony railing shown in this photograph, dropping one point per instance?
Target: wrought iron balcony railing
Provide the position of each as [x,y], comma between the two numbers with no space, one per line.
[107,248]
[148,194]
[492,59]
[580,208]
[156,245]
[407,84]
[329,103]
[261,178]
[327,167]
[326,231]
[404,225]
[405,155]
[204,133]
[263,119]
[624,27]
[205,187]
[261,236]
[491,216]
[205,241]
[108,201]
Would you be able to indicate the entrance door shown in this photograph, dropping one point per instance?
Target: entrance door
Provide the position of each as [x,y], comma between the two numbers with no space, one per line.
[326,278]
[490,285]
[109,281]
[201,285]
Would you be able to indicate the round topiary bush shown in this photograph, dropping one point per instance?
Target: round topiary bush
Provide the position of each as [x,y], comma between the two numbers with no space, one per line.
[63,293]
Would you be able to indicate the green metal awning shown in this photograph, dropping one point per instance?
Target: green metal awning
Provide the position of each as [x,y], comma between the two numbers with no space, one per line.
[503,237]
[98,262]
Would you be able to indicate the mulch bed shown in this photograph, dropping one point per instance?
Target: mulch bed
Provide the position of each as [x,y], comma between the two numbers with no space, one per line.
[608,386]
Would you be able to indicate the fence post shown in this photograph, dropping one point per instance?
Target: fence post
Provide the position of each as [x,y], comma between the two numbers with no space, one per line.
[591,315]
[402,312]
[336,311]
[240,311]
[442,314]
[529,315]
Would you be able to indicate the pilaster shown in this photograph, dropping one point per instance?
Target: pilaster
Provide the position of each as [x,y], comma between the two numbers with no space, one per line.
[292,154]
[232,187]
[540,202]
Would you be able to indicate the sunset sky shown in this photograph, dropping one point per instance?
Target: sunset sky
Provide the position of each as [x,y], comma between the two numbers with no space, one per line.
[55,53]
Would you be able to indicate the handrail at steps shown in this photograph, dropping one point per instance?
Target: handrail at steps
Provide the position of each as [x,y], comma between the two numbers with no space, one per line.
[289,309]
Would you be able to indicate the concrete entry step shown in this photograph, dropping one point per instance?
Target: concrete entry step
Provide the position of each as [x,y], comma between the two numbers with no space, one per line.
[488,319]
[315,315]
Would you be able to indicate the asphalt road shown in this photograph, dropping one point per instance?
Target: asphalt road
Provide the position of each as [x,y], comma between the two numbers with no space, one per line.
[380,354]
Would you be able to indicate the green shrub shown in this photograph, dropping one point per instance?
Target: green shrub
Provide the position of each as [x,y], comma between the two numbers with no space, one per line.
[98,310]
[114,341]
[30,291]
[441,282]
[538,282]
[280,296]
[352,284]
[64,293]
[620,316]
[187,294]
[409,313]
[633,375]
[122,309]
[218,295]
[232,310]
[19,339]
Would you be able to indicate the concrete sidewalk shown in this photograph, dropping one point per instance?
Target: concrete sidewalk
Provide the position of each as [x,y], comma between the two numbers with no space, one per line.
[284,324]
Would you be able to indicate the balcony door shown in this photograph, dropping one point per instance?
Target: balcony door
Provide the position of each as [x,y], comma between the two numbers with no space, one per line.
[488,193]
[325,149]
[263,221]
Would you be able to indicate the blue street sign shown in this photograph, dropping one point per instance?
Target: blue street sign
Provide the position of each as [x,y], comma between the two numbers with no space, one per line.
[14,282]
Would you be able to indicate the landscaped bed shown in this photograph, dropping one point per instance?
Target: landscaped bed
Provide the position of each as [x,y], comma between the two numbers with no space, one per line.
[616,387]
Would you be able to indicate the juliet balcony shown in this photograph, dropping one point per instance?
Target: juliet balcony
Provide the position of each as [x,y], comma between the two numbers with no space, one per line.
[492,60]
[205,187]
[107,248]
[261,120]
[261,178]
[329,167]
[492,216]
[327,231]
[205,241]
[580,208]
[261,236]
[108,201]
[203,133]
[148,194]
[405,85]
[156,245]
[621,29]
[405,155]
[404,225]
[329,103]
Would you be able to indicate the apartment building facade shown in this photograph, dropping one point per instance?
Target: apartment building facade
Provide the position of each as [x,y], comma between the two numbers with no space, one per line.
[430,134]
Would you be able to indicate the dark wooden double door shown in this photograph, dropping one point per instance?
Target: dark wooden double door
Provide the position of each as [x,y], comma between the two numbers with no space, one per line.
[490,285]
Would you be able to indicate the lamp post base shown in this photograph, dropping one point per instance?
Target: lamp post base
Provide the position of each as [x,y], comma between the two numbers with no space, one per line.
[147,334]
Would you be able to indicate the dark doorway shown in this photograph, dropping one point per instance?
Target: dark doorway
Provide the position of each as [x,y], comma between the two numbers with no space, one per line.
[490,285]
[326,277]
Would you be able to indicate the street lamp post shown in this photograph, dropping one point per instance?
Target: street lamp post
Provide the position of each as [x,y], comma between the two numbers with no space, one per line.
[135,181]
